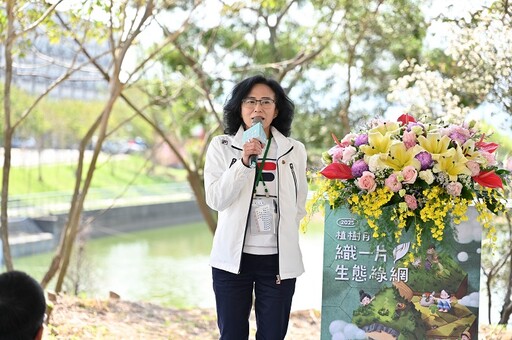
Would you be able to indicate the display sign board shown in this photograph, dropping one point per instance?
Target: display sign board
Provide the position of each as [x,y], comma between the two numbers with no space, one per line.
[370,292]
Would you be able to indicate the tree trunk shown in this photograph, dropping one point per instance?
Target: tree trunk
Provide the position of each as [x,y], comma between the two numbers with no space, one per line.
[76,213]
[9,126]
[6,250]
[69,237]
[8,132]
[489,297]
[75,210]
[118,51]
[506,309]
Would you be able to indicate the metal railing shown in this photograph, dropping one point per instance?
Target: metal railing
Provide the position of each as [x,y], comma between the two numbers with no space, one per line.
[51,203]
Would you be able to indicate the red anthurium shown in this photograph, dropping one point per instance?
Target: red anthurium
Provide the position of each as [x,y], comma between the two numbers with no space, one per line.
[406,118]
[337,171]
[486,146]
[488,179]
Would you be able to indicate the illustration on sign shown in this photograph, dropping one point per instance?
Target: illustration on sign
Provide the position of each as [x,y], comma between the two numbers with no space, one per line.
[370,292]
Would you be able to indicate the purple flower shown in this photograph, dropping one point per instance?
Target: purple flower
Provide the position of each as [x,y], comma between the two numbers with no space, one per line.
[359,167]
[361,140]
[413,124]
[425,159]
[458,133]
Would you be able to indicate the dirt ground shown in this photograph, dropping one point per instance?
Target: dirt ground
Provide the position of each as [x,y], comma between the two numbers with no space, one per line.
[76,319]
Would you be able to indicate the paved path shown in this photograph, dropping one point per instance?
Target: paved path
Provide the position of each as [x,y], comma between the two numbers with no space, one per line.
[32,157]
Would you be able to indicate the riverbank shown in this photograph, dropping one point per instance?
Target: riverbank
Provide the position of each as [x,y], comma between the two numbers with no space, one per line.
[76,318]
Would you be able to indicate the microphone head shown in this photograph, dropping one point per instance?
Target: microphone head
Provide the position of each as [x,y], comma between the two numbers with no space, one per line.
[257,120]
[255,131]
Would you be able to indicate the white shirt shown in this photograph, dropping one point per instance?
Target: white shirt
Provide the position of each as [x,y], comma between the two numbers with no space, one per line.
[256,242]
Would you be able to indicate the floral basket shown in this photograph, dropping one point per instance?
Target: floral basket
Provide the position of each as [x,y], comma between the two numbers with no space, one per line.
[410,175]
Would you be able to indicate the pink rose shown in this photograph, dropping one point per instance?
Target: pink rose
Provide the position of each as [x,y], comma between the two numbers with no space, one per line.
[489,157]
[410,174]
[411,201]
[474,167]
[508,164]
[409,139]
[454,188]
[367,181]
[348,153]
[347,140]
[393,183]
[336,153]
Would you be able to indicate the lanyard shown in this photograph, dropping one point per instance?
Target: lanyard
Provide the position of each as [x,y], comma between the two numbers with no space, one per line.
[259,170]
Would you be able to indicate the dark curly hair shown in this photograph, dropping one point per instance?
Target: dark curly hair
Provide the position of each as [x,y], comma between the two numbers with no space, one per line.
[232,107]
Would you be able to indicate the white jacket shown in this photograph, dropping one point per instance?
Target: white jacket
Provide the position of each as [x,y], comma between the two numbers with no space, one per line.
[228,187]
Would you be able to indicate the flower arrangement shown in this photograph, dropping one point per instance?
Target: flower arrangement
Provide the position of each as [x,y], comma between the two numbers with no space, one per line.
[408,174]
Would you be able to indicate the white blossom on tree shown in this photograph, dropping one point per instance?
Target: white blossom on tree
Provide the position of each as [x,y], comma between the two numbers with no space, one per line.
[480,54]
[426,93]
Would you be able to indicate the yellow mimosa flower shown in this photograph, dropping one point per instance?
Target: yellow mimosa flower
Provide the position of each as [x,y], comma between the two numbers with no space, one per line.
[453,163]
[434,144]
[399,157]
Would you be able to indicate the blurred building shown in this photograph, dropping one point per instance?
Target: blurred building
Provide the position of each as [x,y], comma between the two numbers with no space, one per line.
[42,62]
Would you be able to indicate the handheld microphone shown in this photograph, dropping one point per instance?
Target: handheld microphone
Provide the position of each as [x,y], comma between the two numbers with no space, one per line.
[255,131]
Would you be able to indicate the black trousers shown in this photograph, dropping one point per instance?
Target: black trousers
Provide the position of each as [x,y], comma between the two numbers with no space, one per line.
[234,293]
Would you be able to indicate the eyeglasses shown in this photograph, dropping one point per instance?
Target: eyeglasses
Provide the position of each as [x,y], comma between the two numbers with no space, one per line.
[251,103]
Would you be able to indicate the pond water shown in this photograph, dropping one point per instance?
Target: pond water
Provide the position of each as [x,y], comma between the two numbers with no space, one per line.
[167,266]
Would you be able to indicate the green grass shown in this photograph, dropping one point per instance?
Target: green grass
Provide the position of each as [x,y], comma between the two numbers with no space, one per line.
[110,173]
